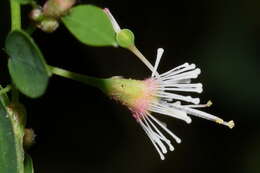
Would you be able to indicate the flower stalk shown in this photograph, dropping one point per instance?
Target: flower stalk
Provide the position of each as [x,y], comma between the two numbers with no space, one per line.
[92,81]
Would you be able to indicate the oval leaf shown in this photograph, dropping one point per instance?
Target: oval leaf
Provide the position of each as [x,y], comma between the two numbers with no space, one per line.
[9,157]
[26,64]
[90,25]
[28,164]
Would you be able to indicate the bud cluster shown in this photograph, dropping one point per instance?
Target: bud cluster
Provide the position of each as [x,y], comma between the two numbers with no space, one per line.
[47,17]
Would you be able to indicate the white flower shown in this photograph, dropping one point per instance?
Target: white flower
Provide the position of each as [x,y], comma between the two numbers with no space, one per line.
[156,95]
[161,87]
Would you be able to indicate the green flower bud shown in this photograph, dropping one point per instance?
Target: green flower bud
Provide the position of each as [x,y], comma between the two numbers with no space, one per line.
[125,38]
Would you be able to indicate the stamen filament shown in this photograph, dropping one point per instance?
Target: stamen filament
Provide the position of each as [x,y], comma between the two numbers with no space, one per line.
[142,58]
[178,140]
[158,58]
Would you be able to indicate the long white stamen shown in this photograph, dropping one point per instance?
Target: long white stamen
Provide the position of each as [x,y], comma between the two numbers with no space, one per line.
[205,115]
[113,20]
[191,67]
[178,140]
[158,59]
[163,94]
[181,85]
[172,112]
[155,136]
[143,59]
[208,104]
[175,69]
[163,137]
[197,90]
[186,75]
[151,139]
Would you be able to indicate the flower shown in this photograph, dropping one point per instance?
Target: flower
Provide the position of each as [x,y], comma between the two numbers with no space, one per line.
[156,95]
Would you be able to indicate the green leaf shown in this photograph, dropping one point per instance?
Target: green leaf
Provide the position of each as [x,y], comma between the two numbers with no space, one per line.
[11,153]
[26,64]
[90,25]
[28,164]
[24,1]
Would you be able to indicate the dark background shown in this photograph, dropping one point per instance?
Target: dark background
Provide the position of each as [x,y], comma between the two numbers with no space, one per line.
[81,130]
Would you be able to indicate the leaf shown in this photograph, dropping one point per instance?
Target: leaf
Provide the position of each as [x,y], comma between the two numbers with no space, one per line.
[28,164]
[10,153]
[90,25]
[26,64]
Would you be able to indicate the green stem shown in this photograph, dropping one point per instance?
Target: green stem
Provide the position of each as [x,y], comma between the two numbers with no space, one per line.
[15,15]
[92,81]
[15,24]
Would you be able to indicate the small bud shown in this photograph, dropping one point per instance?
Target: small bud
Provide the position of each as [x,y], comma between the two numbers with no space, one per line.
[48,25]
[36,14]
[57,8]
[28,138]
[125,38]
[18,112]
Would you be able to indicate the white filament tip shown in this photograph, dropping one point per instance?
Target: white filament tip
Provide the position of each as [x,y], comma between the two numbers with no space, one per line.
[178,140]
[188,120]
[164,151]
[196,101]
[158,59]
[199,90]
[198,71]
[171,148]
[162,157]
[192,66]
[160,52]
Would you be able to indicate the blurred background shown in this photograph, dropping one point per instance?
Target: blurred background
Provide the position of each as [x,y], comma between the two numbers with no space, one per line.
[80,130]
